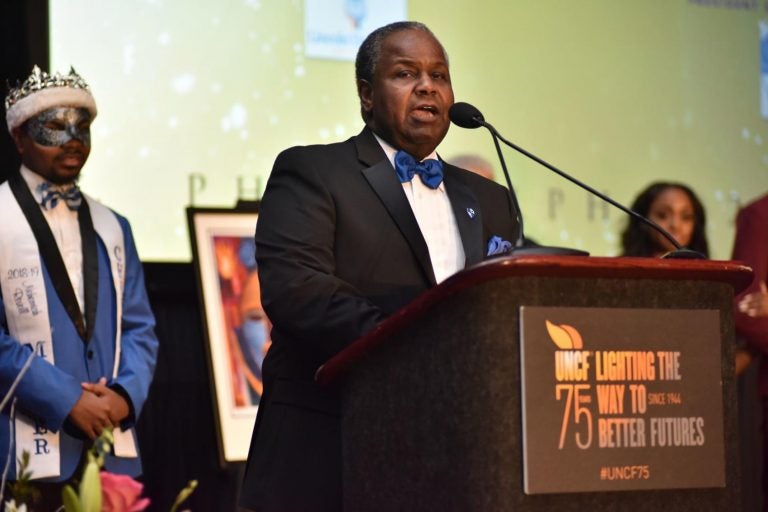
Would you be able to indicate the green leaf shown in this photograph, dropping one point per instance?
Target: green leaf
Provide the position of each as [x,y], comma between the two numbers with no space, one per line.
[70,500]
[184,494]
[22,489]
[90,488]
[101,446]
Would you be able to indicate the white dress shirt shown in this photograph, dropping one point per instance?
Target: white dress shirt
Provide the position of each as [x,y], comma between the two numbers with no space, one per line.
[433,212]
[66,230]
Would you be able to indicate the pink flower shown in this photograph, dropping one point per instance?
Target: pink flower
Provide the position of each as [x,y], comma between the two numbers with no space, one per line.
[121,493]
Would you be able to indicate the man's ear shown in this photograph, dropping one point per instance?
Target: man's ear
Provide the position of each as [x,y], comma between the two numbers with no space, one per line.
[365,93]
[16,135]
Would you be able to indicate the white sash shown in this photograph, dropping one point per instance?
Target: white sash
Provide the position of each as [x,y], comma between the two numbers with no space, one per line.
[26,308]
[109,230]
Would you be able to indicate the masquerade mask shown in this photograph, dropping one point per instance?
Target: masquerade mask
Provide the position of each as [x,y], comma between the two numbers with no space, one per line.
[57,126]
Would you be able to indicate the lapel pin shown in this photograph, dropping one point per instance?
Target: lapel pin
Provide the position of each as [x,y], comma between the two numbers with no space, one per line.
[471,213]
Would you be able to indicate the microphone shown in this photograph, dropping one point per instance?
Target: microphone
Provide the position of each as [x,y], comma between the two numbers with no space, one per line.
[467,116]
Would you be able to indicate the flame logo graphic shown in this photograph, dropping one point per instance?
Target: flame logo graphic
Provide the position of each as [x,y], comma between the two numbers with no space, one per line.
[564,336]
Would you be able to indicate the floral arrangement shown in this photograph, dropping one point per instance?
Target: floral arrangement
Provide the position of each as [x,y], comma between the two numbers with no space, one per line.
[98,491]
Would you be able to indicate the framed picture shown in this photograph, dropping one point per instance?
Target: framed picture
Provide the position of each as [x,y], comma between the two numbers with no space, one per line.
[235,326]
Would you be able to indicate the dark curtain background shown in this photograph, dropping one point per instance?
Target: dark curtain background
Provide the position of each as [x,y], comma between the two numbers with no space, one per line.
[176,430]
[23,41]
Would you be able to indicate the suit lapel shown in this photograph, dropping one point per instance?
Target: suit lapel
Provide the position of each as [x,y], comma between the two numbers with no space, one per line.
[90,266]
[466,210]
[382,178]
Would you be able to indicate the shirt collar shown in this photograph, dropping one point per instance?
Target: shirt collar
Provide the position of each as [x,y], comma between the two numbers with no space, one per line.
[391,152]
[34,180]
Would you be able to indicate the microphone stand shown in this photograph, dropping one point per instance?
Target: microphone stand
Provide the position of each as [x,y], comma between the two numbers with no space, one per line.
[520,249]
[521,237]
[680,252]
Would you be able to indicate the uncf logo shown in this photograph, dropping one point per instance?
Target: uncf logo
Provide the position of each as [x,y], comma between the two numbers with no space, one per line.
[564,336]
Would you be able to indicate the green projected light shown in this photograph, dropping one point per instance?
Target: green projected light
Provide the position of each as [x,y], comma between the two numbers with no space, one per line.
[197,98]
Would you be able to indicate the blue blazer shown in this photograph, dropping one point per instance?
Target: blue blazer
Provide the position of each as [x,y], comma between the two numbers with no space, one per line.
[49,392]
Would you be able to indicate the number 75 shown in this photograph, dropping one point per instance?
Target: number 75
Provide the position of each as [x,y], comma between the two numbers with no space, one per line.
[580,412]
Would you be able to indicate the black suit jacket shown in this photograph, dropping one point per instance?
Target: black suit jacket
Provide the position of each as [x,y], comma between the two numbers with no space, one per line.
[339,250]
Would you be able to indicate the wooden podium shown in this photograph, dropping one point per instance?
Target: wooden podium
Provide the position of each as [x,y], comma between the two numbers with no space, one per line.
[434,409]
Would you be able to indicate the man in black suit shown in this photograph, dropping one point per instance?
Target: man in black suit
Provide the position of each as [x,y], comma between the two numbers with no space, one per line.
[346,236]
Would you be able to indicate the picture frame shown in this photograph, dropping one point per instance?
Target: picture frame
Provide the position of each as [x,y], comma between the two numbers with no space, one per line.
[235,328]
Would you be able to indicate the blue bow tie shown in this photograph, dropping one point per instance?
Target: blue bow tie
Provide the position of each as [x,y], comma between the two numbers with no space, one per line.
[51,196]
[430,171]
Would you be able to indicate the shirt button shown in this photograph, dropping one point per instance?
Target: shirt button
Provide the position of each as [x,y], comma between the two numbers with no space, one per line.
[90,354]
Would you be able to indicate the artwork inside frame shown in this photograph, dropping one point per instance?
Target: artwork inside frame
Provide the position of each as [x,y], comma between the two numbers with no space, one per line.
[235,326]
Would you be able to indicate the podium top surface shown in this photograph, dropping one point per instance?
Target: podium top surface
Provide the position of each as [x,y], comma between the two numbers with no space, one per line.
[734,273]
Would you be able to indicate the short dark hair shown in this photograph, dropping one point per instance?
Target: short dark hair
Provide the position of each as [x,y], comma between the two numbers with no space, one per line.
[636,238]
[370,50]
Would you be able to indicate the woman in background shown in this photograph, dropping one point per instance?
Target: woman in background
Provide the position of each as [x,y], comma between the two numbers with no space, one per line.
[674,207]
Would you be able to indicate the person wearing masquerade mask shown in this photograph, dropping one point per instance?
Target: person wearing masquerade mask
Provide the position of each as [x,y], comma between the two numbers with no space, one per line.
[71,292]
[347,235]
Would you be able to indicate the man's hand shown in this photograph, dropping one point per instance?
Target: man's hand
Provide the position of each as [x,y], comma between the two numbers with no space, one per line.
[90,414]
[98,408]
[755,304]
[117,407]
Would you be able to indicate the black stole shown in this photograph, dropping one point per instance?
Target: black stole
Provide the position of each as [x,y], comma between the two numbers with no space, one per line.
[49,252]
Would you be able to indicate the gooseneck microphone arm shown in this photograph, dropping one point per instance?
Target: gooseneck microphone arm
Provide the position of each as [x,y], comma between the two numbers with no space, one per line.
[583,185]
[521,234]
[467,116]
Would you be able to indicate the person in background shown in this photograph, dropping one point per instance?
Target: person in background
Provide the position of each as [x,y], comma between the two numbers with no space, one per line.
[474,163]
[71,292]
[348,234]
[674,207]
[750,246]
